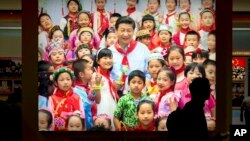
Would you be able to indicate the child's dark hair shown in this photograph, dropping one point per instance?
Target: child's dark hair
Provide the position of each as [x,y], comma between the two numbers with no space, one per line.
[137,73]
[175,48]
[148,102]
[200,53]
[78,116]
[77,2]
[206,10]
[194,65]
[174,1]
[170,73]
[42,15]
[115,15]
[79,65]
[82,46]
[103,52]
[84,12]
[137,1]
[212,33]
[53,30]
[44,65]
[49,116]
[107,31]
[125,20]
[208,62]
[163,63]
[183,13]
[99,128]
[192,32]
[148,18]
[159,2]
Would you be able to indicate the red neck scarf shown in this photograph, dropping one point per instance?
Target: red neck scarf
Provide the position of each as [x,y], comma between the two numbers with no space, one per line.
[61,93]
[125,62]
[73,20]
[180,70]
[131,10]
[184,31]
[165,47]
[162,93]
[152,36]
[81,84]
[102,11]
[207,29]
[106,74]
[153,83]
[150,128]
[168,16]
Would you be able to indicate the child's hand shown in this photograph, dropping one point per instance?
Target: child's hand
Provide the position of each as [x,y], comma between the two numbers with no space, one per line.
[211,125]
[173,105]
[118,84]
[160,18]
[98,78]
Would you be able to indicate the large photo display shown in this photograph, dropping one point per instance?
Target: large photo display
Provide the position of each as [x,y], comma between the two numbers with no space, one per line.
[125,65]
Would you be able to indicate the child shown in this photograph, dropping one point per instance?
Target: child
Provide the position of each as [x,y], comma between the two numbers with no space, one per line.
[100,18]
[161,121]
[165,38]
[192,71]
[69,22]
[191,44]
[132,12]
[207,22]
[170,17]
[152,9]
[64,100]
[110,37]
[155,63]
[88,92]
[166,98]
[82,50]
[125,112]
[185,5]
[210,104]
[46,24]
[143,36]
[89,58]
[83,21]
[56,53]
[175,58]
[75,123]
[113,18]
[148,22]
[211,44]
[145,114]
[210,69]
[199,56]
[109,98]
[45,119]
[184,20]
[103,119]
[85,36]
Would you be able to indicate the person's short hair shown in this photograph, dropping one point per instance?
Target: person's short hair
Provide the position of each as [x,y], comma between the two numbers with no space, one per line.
[148,18]
[79,65]
[115,15]
[82,46]
[194,65]
[200,53]
[200,89]
[77,2]
[49,116]
[148,102]
[192,32]
[42,15]
[125,20]
[137,73]
[208,62]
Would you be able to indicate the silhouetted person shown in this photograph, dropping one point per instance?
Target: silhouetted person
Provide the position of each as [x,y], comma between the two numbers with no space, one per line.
[190,122]
[245,106]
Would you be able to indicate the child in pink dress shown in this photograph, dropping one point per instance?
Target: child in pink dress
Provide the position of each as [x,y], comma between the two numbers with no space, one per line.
[167,99]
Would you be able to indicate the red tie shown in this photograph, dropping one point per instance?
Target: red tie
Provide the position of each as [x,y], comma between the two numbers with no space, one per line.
[131,10]
[125,62]
[168,16]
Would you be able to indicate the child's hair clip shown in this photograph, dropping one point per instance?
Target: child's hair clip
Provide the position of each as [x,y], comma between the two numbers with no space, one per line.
[75,113]
[105,116]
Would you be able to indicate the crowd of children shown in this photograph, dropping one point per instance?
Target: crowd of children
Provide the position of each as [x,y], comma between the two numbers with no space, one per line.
[124,72]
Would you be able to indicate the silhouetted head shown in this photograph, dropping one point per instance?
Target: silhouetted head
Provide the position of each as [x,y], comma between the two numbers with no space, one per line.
[200,89]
